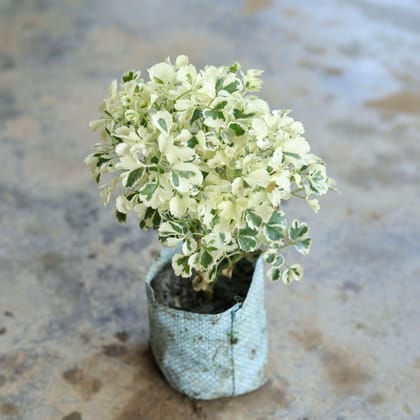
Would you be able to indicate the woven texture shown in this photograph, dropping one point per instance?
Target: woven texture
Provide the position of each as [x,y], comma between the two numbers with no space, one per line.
[207,356]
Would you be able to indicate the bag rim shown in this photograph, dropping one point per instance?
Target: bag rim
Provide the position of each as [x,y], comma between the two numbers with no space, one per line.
[163,259]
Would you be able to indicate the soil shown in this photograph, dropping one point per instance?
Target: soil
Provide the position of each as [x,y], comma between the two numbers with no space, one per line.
[178,293]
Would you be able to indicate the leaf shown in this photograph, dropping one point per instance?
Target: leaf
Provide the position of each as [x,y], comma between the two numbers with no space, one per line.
[290,154]
[220,106]
[253,219]
[151,219]
[170,228]
[174,179]
[130,75]
[303,246]
[216,115]
[101,161]
[121,217]
[162,73]
[186,174]
[131,196]
[219,84]
[275,227]
[192,142]
[239,114]
[178,205]
[181,265]
[235,67]
[275,259]
[247,239]
[277,218]
[156,220]
[275,274]
[148,190]
[206,259]
[314,204]
[297,230]
[232,87]
[293,272]
[269,257]
[279,261]
[239,131]
[134,176]
[318,182]
[197,114]
[274,233]
[163,121]
[162,124]
[176,227]
[189,246]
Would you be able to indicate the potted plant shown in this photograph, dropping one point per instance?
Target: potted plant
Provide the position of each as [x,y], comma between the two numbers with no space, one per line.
[201,159]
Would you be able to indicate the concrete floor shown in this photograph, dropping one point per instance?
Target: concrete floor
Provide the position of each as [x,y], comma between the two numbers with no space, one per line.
[344,343]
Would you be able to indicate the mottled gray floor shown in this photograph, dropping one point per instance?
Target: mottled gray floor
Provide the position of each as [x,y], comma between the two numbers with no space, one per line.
[73,322]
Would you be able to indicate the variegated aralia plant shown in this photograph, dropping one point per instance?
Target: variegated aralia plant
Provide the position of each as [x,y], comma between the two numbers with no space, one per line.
[197,156]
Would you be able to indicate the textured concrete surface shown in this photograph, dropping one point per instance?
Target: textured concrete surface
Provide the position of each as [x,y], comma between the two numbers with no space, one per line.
[73,324]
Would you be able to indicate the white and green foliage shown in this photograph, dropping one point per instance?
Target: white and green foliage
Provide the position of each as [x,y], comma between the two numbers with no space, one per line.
[204,161]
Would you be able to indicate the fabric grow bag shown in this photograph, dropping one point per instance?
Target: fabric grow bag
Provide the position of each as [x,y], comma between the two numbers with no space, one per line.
[207,356]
